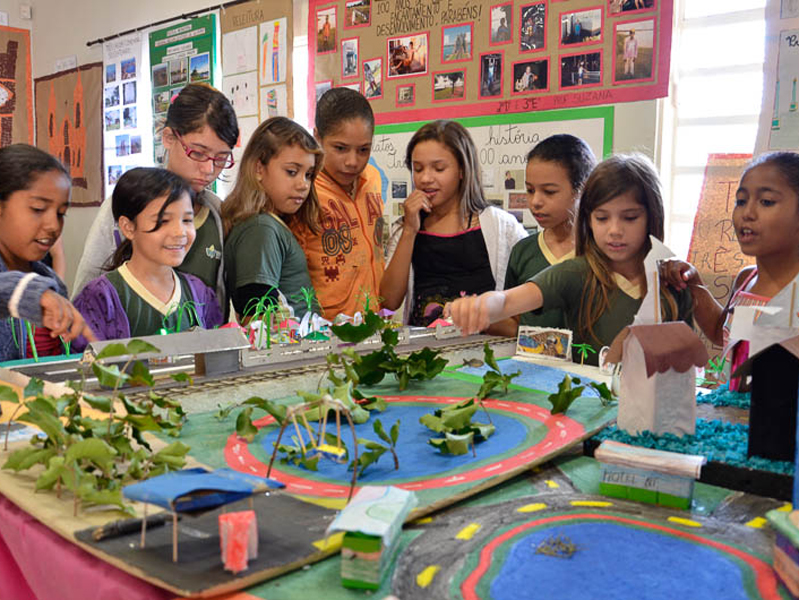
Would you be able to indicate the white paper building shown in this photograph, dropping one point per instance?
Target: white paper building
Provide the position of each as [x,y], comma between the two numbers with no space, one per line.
[658,378]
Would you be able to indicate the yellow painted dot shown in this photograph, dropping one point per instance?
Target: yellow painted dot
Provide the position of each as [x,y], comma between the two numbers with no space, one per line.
[531,507]
[425,578]
[468,532]
[787,507]
[552,484]
[332,542]
[686,522]
[423,521]
[757,522]
[593,503]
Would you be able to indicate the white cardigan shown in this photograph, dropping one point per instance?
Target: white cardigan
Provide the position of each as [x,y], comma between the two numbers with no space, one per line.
[500,231]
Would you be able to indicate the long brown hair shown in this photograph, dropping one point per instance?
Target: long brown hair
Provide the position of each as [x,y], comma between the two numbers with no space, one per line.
[248,197]
[611,178]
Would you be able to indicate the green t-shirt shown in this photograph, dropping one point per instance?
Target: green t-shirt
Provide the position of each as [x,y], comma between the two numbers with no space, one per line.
[527,259]
[263,250]
[204,257]
[145,319]
[563,286]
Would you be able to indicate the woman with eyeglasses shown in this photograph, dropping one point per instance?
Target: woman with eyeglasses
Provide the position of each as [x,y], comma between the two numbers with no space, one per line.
[198,136]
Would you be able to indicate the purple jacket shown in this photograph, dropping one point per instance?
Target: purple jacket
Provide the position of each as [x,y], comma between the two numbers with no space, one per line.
[100,306]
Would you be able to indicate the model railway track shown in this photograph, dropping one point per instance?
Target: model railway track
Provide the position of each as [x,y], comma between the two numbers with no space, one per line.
[308,366]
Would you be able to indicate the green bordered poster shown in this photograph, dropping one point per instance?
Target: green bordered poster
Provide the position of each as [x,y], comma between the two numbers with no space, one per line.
[181,54]
[503,142]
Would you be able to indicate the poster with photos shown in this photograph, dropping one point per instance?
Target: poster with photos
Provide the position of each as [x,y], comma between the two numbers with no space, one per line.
[127,110]
[180,54]
[502,57]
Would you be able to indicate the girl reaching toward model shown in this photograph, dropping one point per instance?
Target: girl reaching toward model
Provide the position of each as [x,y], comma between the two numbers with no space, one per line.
[34,197]
[601,289]
[766,221]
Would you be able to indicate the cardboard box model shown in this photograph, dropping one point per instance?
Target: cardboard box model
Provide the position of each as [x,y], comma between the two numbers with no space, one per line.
[775,388]
[658,379]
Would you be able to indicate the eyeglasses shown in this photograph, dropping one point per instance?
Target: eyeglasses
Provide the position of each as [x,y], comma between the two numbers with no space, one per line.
[221,162]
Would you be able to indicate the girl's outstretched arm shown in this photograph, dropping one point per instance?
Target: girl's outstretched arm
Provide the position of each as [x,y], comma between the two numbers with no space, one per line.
[63,319]
[474,314]
[707,311]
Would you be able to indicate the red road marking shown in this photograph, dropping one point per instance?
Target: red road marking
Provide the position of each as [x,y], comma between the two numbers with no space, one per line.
[238,456]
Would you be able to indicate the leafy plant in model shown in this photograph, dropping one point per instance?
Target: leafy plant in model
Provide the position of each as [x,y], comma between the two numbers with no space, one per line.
[95,457]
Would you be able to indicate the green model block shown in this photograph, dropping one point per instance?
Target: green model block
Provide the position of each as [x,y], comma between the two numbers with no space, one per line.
[642,495]
[613,490]
[363,561]
[674,501]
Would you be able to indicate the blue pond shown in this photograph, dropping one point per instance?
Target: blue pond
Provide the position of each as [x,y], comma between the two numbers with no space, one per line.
[616,561]
[534,376]
[417,458]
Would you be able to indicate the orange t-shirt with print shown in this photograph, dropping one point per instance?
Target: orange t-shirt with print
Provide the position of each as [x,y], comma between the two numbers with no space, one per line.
[345,260]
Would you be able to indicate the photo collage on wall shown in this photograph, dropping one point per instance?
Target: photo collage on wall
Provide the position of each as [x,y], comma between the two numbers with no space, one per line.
[179,55]
[123,121]
[517,48]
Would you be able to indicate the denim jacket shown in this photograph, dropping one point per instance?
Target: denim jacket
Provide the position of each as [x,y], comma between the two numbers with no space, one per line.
[20,297]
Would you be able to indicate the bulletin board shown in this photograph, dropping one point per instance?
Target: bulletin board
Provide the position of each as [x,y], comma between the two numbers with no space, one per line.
[778,126]
[503,142]
[179,54]
[16,93]
[418,60]
[257,38]
[127,111]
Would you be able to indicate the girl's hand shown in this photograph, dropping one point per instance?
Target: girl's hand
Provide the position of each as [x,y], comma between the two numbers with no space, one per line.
[412,207]
[63,319]
[474,314]
[679,274]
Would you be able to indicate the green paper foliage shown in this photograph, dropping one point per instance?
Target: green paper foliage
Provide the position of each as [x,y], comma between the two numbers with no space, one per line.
[95,458]
[455,422]
[494,378]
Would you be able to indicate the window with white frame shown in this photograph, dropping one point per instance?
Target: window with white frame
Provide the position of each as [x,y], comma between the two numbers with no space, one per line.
[714,106]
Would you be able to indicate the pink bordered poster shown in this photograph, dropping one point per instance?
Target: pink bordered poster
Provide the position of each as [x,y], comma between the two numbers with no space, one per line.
[425,60]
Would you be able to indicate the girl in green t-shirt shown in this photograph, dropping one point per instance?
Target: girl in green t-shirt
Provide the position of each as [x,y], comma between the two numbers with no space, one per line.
[557,169]
[602,288]
[275,187]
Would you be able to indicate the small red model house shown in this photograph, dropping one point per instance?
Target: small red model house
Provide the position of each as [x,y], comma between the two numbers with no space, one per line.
[775,388]
[658,379]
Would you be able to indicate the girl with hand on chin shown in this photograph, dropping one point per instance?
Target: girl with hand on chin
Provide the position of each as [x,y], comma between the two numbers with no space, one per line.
[449,242]
[766,220]
[345,251]
[143,292]
[198,136]
[34,197]
[601,289]
[274,189]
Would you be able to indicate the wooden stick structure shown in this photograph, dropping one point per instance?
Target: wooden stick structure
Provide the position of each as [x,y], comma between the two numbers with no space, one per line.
[143,527]
[324,404]
[174,536]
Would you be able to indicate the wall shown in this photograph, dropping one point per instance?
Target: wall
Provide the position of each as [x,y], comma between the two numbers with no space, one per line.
[61,28]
